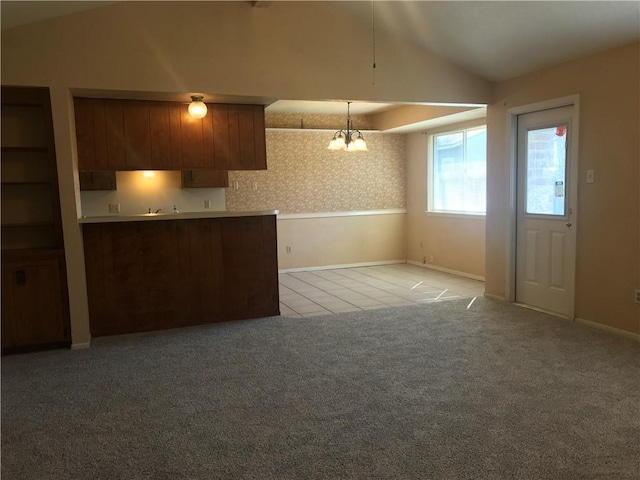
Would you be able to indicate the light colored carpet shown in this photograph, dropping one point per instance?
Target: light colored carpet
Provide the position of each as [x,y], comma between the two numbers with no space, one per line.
[424,392]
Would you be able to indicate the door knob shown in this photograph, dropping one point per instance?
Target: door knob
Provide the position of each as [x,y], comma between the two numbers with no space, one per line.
[568,224]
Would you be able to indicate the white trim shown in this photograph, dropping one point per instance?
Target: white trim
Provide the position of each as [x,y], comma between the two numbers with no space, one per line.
[466,216]
[607,328]
[512,145]
[81,345]
[355,213]
[312,130]
[343,265]
[545,105]
[447,270]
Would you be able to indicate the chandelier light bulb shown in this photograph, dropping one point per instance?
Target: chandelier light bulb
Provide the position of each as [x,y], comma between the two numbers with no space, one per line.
[360,144]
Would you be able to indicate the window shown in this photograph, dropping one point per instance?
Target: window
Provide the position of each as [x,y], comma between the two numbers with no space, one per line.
[458,172]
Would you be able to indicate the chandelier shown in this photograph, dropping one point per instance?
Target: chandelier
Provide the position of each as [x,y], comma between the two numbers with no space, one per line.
[350,139]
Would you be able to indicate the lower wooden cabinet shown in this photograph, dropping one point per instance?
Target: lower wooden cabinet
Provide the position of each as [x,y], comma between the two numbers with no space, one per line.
[154,275]
[34,302]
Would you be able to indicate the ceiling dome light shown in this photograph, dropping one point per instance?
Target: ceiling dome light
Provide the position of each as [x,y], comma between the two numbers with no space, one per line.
[197,108]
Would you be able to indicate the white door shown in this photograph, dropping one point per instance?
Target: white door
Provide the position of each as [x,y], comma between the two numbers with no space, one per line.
[545,226]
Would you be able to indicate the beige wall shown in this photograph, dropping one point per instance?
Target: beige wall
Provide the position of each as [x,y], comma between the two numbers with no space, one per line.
[608,237]
[304,177]
[451,242]
[292,50]
[341,240]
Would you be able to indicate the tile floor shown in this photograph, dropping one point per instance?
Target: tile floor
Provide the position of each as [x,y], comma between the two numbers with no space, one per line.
[322,292]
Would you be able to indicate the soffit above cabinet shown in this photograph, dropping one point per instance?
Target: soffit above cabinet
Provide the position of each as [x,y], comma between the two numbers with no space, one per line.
[184,97]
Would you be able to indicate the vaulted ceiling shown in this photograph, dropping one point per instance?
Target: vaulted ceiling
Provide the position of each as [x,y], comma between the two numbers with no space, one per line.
[496,40]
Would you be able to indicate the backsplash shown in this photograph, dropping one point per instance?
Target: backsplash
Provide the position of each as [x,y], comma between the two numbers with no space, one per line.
[137,193]
[303,176]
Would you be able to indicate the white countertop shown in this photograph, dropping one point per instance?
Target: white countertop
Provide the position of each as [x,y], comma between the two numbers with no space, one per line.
[173,216]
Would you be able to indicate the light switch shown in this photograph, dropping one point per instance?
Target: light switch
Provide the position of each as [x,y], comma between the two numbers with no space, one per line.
[590,176]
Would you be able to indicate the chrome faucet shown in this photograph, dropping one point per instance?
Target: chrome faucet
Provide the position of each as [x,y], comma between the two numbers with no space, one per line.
[157,211]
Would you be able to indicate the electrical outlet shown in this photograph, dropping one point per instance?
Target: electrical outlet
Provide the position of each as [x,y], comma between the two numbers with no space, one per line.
[114,208]
[288,249]
[207,204]
[236,185]
[430,258]
[254,186]
[638,295]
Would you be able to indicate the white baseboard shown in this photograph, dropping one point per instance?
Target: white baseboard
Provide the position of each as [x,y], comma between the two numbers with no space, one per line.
[81,346]
[447,270]
[607,328]
[342,265]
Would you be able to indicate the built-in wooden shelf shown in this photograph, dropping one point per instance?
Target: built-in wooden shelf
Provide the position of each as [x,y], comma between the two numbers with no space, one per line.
[35,305]
[27,225]
[24,149]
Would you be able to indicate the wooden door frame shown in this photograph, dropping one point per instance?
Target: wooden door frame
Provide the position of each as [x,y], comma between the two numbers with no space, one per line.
[512,210]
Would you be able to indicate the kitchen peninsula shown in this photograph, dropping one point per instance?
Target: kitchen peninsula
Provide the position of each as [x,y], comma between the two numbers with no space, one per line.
[157,271]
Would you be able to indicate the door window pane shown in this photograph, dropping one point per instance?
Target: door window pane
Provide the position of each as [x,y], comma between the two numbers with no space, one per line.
[546,171]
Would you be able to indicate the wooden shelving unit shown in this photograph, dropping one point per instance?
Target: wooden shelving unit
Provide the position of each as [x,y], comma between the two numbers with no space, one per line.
[34,288]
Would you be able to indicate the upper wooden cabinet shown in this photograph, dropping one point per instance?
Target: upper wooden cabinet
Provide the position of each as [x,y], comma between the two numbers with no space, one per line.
[146,135]
[98,180]
[204,179]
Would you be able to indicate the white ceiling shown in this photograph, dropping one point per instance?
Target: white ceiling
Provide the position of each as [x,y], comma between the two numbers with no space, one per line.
[494,39]
[504,39]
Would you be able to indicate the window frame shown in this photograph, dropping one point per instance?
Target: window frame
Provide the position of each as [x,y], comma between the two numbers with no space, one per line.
[448,129]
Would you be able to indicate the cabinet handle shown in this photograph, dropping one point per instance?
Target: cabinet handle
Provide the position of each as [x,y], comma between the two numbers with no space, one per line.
[20,277]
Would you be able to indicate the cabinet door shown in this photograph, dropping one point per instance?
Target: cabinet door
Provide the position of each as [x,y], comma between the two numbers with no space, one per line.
[202,270]
[137,134]
[34,292]
[220,126]
[192,138]
[91,133]
[246,139]
[205,179]
[239,137]
[114,126]
[160,135]
[250,267]
[97,180]
[160,299]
